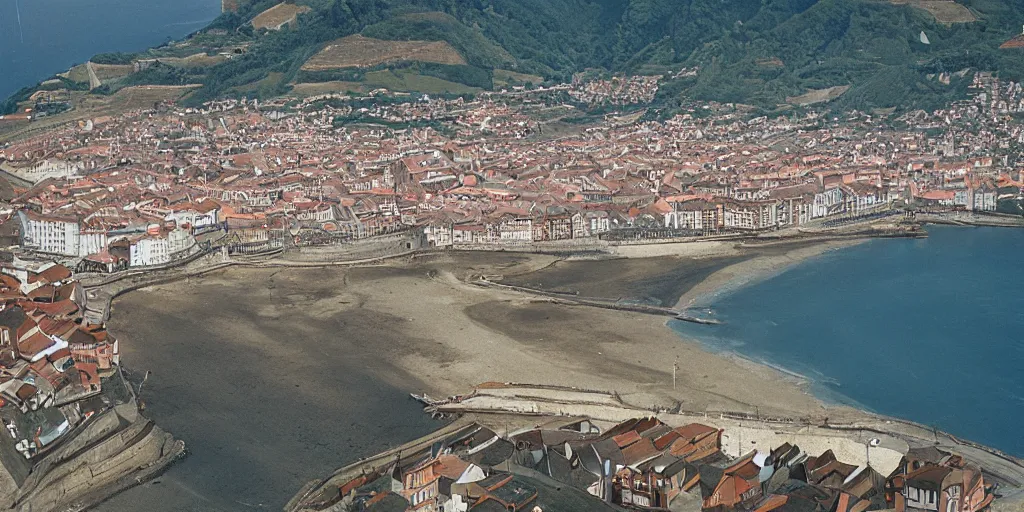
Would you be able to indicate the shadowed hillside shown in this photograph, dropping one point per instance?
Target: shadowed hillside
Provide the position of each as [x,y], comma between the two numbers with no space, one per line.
[864,53]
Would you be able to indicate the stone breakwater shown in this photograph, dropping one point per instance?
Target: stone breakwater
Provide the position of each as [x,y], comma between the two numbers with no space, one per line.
[110,452]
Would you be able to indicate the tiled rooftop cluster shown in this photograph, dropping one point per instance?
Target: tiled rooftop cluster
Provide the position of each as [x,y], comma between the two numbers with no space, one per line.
[644,464]
[620,90]
[145,188]
[52,360]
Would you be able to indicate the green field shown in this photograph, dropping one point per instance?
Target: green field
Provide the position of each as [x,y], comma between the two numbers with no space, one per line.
[505,78]
[395,80]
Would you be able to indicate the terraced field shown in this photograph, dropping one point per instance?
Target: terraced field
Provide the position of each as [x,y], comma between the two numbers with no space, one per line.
[362,52]
[944,11]
[503,77]
[818,96]
[278,15]
[406,81]
[198,60]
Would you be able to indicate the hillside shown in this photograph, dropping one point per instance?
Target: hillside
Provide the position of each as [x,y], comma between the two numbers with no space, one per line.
[361,52]
[866,53]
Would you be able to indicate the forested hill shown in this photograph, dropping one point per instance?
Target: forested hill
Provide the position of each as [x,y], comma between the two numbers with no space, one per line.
[909,53]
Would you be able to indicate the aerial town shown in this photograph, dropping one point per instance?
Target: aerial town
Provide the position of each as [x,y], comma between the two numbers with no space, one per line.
[156,186]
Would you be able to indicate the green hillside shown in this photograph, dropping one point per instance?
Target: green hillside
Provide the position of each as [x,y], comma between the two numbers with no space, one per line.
[749,51]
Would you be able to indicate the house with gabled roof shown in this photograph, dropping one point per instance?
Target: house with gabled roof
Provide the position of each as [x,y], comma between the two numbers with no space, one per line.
[428,486]
[724,488]
[931,480]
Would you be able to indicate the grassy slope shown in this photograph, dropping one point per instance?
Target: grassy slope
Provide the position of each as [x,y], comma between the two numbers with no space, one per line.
[751,52]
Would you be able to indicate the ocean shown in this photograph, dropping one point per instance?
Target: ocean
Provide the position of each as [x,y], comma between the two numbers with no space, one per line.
[39,38]
[930,330]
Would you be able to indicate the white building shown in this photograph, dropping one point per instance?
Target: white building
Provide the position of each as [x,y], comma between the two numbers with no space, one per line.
[91,242]
[439,235]
[150,250]
[516,229]
[320,213]
[58,235]
[580,226]
[685,219]
[180,243]
[825,202]
[49,169]
[984,199]
[597,222]
[205,213]
[736,218]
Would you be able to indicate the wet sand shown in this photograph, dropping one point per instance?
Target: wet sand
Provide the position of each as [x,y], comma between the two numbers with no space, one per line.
[267,389]
[665,280]
[274,376]
[657,281]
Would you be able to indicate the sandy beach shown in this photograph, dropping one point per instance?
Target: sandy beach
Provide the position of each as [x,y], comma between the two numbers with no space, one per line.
[283,374]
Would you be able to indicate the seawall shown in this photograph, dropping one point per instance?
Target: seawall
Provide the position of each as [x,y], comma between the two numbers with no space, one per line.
[108,453]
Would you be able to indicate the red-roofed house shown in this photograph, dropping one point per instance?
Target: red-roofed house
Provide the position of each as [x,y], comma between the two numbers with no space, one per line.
[428,486]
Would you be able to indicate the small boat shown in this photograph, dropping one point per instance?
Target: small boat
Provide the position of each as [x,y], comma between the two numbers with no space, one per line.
[425,399]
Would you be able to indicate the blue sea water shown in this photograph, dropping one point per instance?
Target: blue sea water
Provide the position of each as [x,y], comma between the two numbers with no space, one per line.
[931,330]
[39,38]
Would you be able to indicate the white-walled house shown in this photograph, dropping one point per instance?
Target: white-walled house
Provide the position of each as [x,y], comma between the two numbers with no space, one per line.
[149,250]
[198,215]
[180,243]
[58,235]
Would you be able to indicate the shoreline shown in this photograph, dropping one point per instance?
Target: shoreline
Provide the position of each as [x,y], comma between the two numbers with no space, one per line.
[757,269]
[733,279]
[480,335]
[749,272]
[410,325]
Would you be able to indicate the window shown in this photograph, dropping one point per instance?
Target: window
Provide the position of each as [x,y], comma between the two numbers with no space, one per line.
[913,494]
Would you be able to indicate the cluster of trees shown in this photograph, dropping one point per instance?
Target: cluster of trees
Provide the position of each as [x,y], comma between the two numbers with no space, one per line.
[113,58]
[872,46]
[10,105]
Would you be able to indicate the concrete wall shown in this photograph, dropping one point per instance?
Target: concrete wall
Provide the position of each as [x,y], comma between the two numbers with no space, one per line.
[739,440]
[113,448]
[369,248]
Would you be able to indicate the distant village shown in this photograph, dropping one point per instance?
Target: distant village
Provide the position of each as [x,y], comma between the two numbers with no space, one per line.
[644,464]
[152,187]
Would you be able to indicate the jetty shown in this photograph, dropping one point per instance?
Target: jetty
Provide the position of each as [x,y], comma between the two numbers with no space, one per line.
[573,299]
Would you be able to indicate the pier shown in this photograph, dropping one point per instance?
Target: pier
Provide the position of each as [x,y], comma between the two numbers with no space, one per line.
[570,298]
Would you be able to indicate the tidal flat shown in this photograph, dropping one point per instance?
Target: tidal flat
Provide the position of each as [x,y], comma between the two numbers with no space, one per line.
[276,376]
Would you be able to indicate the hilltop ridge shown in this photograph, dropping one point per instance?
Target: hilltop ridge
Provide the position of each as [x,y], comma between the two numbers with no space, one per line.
[866,54]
